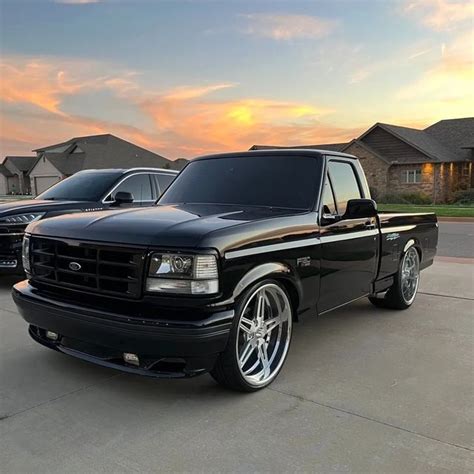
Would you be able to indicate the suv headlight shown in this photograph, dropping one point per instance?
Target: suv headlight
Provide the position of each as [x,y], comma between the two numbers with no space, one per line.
[26,253]
[22,218]
[183,274]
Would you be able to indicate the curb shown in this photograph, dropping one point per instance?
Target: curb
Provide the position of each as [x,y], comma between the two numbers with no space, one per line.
[456,219]
[462,260]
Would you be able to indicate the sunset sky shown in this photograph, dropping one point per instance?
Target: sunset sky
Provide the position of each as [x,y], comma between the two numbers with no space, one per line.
[184,78]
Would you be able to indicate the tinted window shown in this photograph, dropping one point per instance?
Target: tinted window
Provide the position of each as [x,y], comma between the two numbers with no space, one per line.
[329,205]
[164,180]
[84,186]
[139,185]
[276,181]
[344,183]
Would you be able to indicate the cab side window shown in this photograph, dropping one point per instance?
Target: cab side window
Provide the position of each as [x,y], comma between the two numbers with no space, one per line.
[138,185]
[329,203]
[345,184]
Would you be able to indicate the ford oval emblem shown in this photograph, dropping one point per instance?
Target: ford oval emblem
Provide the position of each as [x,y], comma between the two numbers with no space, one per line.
[74,266]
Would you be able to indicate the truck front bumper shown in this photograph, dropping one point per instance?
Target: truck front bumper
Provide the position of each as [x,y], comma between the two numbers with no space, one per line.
[164,348]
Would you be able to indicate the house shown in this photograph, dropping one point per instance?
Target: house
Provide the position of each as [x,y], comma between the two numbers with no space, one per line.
[14,174]
[435,162]
[56,162]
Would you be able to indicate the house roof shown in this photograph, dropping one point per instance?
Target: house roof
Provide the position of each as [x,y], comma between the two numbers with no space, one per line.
[23,163]
[445,141]
[327,146]
[457,134]
[5,171]
[441,142]
[99,152]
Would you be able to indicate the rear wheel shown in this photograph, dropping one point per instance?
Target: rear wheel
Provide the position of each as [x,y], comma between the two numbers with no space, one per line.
[259,339]
[405,287]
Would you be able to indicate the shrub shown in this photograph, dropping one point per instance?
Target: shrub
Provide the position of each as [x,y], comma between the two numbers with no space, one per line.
[405,198]
[465,196]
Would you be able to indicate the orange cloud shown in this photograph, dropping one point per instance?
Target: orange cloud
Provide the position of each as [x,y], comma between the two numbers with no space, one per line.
[287,27]
[441,14]
[184,121]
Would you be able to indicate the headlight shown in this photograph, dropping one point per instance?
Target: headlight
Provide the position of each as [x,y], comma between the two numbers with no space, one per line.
[184,274]
[26,253]
[22,218]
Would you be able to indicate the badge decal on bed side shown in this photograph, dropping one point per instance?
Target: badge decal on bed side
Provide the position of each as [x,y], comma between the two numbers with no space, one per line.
[393,236]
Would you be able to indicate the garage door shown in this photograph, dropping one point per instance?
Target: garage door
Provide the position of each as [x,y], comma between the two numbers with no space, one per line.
[42,183]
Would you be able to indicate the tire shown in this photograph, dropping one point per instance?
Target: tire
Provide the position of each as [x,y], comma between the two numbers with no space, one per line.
[259,339]
[402,293]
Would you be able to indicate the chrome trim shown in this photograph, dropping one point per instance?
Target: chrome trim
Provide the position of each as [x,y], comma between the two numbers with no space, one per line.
[153,170]
[300,243]
[8,263]
[11,234]
[400,228]
[349,235]
[271,248]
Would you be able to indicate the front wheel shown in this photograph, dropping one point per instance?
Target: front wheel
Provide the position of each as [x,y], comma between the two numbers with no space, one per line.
[259,339]
[405,287]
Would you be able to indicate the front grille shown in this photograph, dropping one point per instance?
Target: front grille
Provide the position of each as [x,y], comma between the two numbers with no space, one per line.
[88,267]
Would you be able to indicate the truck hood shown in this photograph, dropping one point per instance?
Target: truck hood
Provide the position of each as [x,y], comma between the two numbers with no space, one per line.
[177,226]
[36,205]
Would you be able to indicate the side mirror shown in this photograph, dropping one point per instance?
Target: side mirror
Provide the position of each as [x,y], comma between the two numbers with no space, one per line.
[360,208]
[123,197]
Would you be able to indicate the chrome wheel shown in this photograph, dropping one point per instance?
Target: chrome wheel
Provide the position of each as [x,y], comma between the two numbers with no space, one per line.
[410,275]
[264,334]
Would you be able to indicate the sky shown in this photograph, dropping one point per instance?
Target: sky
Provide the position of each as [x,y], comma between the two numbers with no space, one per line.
[185,78]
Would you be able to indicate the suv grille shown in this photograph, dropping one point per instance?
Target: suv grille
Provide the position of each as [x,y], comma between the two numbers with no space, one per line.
[90,267]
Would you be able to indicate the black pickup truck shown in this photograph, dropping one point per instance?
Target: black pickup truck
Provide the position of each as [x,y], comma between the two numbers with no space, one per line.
[88,190]
[239,247]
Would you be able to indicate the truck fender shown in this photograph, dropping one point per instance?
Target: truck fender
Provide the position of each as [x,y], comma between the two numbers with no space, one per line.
[293,285]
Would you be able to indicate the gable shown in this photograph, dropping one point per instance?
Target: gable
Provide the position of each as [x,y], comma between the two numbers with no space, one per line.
[392,148]
[44,167]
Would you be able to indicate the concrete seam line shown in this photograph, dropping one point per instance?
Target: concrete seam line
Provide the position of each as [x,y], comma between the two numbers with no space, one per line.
[59,397]
[368,418]
[446,296]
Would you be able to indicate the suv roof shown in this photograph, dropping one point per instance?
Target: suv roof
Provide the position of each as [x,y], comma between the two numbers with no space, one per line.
[282,151]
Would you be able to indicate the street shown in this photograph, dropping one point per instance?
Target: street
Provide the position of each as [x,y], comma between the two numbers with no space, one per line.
[456,239]
[363,390]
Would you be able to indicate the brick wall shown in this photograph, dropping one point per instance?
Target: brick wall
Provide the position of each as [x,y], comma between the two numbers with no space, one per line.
[397,185]
[375,169]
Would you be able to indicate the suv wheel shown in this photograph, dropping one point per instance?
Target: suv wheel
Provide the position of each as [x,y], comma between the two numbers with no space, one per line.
[259,339]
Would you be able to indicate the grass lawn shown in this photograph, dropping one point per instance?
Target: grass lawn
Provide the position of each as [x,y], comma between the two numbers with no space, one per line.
[443,210]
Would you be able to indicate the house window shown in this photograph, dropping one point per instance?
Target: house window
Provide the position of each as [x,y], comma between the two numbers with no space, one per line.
[411,176]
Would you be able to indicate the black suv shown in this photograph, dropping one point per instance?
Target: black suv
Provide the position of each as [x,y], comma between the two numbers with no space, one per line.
[89,190]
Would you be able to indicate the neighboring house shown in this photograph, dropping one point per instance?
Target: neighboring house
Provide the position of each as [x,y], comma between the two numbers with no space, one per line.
[7,180]
[56,162]
[436,161]
[14,174]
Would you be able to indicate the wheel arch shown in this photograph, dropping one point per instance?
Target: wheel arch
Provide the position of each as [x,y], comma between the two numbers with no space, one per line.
[414,242]
[276,271]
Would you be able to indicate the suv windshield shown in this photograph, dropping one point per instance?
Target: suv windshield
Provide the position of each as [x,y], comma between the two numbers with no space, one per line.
[258,180]
[81,187]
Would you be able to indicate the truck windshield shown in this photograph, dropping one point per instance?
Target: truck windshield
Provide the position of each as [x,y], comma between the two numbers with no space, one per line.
[259,180]
[81,187]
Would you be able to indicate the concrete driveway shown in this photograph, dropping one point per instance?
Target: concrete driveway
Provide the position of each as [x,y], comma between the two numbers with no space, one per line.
[363,390]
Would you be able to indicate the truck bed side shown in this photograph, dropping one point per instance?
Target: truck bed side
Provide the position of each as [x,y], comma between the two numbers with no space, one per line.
[398,231]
